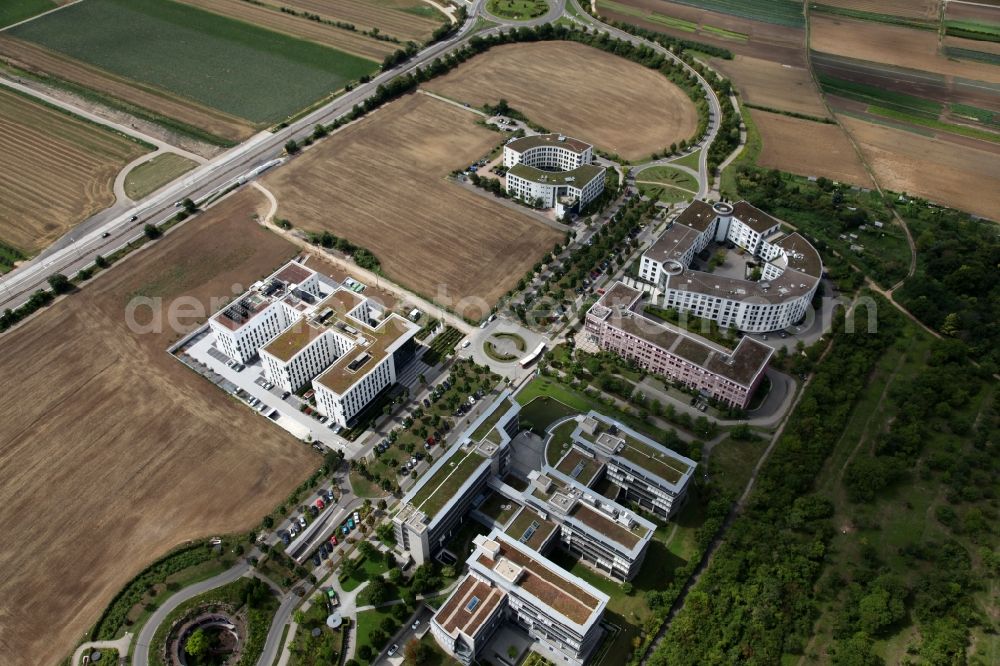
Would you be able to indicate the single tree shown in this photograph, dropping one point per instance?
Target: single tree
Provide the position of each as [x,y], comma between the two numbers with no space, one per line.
[60,283]
[197,644]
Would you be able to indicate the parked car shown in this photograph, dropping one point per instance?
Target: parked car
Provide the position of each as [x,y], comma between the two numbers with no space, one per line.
[284,396]
[427,403]
[333,540]
[416,623]
[314,511]
[395,647]
[320,504]
[316,560]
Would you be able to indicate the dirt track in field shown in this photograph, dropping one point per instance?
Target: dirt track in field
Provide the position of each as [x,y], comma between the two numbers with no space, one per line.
[958,176]
[382,183]
[54,171]
[112,452]
[773,85]
[892,45]
[617,105]
[808,148]
[37,59]
[367,14]
[313,31]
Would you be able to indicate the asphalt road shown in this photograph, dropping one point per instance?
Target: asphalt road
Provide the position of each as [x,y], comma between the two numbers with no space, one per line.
[77,249]
[140,653]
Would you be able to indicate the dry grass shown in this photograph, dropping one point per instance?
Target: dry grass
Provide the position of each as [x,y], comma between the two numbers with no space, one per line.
[112,451]
[892,45]
[774,85]
[958,176]
[578,90]
[381,183]
[33,58]
[389,16]
[313,31]
[55,170]
[808,148]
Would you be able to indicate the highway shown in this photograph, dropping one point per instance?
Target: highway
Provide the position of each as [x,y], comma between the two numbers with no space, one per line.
[77,249]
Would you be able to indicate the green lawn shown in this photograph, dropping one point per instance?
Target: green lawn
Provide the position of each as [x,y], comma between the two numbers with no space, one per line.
[370,568]
[690,160]
[368,621]
[238,68]
[732,462]
[517,9]
[668,176]
[543,411]
[664,193]
[14,11]
[154,174]
[560,442]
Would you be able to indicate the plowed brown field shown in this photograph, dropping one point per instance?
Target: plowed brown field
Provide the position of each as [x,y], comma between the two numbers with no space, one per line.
[55,170]
[28,56]
[381,183]
[958,176]
[808,148]
[321,33]
[574,89]
[891,45]
[774,85]
[112,451]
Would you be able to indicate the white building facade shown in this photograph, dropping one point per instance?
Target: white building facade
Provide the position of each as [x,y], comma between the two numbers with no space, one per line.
[790,268]
[554,169]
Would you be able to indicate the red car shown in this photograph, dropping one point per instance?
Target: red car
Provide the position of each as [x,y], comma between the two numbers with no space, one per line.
[333,539]
[320,504]
[430,440]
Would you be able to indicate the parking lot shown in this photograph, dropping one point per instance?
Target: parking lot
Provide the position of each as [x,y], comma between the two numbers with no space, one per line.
[250,385]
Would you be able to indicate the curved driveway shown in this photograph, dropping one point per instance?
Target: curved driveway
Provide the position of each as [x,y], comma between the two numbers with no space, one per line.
[141,652]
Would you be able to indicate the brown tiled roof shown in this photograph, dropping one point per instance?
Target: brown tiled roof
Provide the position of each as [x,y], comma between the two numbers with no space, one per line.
[802,256]
[455,614]
[697,216]
[753,217]
[293,274]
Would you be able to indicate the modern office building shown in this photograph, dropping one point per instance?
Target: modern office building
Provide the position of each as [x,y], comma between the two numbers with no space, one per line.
[652,476]
[510,582]
[616,323]
[307,329]
[436,506]
[602,533]
[789,268]
[553,168]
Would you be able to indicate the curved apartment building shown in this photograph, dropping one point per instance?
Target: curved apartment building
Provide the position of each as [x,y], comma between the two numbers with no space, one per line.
[554,168]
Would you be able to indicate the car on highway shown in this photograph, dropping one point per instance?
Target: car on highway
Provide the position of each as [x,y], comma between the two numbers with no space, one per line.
[133,218]
[105,234]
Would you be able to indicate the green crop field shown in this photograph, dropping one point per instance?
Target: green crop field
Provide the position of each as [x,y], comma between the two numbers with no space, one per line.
[919,23]
[232,66]
[780,12]
[13,11]
[880,97]
[985,32]
[969,54]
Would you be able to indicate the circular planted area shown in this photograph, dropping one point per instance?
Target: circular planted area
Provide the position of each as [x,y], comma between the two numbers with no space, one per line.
[504,347]
[517,10]
[666,184]
[208,639]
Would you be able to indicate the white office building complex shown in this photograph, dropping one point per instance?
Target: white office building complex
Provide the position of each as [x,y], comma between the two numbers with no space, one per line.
[308,329]
[508,581]
[553,168]
[790,268]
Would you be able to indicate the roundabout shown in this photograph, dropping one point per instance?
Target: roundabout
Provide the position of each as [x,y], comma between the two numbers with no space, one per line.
[504,347]
[516,10]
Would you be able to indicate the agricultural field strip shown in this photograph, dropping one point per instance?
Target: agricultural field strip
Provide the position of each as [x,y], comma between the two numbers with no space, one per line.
[368,14]
[671,21]
[190,52]
[56,68]
[302,28]
[58,169]
[780,12]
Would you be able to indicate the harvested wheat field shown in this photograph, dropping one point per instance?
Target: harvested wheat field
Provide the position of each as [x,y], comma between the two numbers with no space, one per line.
[382,184]
[774,85]
[112,451]
[296,26]
[808,148]
[598,103]
[404,19]
[892,45]
[44,62]
[55,170]
[957,176]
